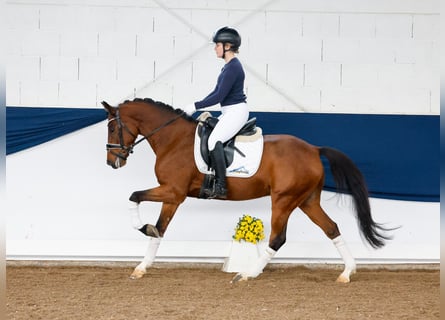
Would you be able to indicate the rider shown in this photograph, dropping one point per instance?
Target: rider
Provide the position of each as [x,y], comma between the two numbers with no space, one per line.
[229,93]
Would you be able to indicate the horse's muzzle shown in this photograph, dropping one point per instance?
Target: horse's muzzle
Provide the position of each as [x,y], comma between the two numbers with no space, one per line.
[115,164]
[111,164]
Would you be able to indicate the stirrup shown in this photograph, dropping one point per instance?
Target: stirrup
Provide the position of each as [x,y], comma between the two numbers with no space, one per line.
[207,193]
[214,192]
[219,192]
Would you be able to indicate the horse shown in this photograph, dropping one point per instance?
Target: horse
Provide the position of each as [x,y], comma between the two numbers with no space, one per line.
[290,172]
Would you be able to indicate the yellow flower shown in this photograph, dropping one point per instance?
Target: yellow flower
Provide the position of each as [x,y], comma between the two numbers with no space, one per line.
[249,229]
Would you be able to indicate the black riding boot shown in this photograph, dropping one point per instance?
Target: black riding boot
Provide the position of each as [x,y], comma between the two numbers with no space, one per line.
[218,162]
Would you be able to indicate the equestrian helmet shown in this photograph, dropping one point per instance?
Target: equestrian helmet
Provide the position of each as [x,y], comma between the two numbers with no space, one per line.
[228,35]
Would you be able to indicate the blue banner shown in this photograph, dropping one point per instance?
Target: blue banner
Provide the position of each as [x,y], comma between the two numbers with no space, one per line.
[399,155]
[28,127]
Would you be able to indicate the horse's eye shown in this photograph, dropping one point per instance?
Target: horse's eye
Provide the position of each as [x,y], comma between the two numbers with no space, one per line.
[111,128]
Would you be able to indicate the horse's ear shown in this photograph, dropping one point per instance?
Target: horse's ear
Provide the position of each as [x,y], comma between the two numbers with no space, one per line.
[110,109]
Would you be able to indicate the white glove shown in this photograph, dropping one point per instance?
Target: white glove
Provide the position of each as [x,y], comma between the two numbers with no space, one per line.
[190,109]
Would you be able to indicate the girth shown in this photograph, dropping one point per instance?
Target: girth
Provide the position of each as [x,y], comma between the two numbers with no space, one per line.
[206,128]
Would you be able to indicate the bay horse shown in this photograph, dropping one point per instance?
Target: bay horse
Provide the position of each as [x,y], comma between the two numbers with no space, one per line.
[291,172]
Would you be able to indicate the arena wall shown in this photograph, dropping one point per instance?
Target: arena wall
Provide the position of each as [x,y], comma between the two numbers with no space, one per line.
[63,202]
[348,57]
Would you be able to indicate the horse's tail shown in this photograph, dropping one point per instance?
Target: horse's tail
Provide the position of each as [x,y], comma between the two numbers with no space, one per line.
[349,179]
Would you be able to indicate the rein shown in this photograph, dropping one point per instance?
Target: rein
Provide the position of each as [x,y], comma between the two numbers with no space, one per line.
[121,146]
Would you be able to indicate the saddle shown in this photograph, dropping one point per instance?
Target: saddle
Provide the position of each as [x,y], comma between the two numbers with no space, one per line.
[208,124]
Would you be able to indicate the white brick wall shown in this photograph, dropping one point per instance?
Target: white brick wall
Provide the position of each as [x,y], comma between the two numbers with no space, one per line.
[114,92]
[340,50]
[80,94]
[116,44]
[135,70]
[394,26]
[357,26]
[319,75]
[426,27]
[23,68]
[208,20]
[23,17]
[316,56]
[43,92]
[359,76]
[60,18]
[284,23]
[79,44]
[133,20]
[285,75]
[59,68]
[165,23]
[40,43]
[320,25]
[376,51]
[97,69]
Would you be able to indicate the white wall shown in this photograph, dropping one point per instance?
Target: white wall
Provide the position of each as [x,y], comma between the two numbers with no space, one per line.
[367,56]
[63,202]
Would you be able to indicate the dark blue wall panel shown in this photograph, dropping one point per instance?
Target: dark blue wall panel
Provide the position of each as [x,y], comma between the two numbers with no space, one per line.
[398,154]
[28,127]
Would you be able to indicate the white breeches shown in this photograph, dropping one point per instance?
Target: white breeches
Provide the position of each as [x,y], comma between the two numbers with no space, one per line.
[231,120]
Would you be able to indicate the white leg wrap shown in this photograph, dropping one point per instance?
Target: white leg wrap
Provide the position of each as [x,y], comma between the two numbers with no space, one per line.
[344,252]
[349,261]
[136,221]
[150,254]
[257,268]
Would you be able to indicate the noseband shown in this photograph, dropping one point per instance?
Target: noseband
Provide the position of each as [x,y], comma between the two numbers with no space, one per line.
[129,149]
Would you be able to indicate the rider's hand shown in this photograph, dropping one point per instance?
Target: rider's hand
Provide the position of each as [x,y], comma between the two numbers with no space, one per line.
[189,109]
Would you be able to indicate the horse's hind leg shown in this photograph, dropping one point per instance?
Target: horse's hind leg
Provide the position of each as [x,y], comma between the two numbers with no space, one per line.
[349,261]
[282,207]
[314,211]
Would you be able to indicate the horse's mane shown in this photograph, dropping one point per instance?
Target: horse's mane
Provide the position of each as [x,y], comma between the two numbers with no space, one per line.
[162,106]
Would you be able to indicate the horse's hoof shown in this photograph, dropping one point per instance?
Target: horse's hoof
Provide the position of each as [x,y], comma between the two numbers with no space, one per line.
[137,274]
[239,277]
[343,279]
[345,275]
[150,231]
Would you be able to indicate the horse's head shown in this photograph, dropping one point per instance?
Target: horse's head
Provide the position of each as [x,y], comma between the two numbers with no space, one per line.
[122,133]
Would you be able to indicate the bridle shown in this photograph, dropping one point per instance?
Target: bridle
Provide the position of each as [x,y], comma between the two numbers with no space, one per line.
[129,149]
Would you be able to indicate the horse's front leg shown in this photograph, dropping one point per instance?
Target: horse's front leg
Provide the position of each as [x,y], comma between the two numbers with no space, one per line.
[149,257]
[155,233]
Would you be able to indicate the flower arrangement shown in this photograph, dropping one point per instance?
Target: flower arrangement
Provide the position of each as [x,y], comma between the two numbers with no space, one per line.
[249,229]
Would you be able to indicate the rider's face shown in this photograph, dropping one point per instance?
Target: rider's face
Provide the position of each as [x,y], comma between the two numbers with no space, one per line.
[219,49]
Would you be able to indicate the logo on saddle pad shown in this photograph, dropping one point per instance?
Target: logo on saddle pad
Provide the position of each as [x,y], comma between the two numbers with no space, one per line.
[243,152]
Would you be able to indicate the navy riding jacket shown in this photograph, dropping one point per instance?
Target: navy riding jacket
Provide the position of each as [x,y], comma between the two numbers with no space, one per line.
[229,87]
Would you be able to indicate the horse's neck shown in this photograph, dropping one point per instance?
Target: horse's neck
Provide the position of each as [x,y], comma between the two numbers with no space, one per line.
[172,136]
